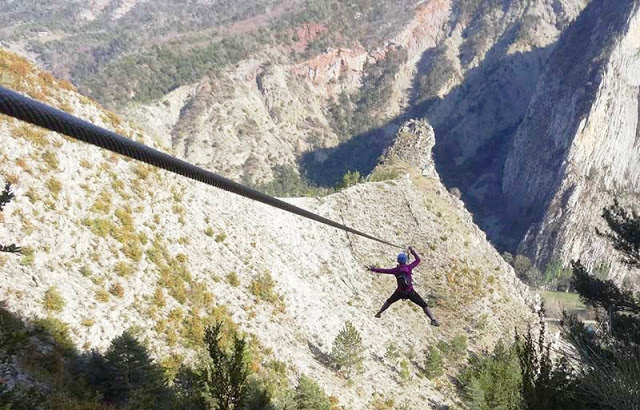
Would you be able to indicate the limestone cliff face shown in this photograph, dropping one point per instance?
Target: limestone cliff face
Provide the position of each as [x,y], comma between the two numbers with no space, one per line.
[475,88]
[93,222]
[578,146]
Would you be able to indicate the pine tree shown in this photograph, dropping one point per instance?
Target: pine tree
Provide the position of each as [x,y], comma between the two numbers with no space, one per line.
[5,197]
[258,396]
[433,365]
[187,386]
[226,380]
[545,384]
[474,394]
[622,305]
[349,179]
[494,381]
[625,232]
[310,396]
[130,376]
[613,355]
[347,352]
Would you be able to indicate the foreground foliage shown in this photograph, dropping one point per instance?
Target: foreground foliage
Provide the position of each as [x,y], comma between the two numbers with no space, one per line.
[53,375]
[598,369]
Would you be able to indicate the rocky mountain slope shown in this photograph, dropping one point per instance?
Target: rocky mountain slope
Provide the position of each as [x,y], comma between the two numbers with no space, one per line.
[127,246]
[269,110]
[577,148]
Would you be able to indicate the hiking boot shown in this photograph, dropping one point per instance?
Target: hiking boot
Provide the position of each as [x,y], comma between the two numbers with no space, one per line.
[434,322]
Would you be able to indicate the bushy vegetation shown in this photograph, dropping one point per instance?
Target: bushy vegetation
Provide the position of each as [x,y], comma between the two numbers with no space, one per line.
[434,363]
[366,21]
[601,368]
[524,269]
[155,48]
[158,70]
[21,75]
[309,396]
[437,71]
[233,279]
[493,381]
[117,290]
[53,300]
[383,174]
[456,349]
[556,275]
[54,185]
[263,288]
[349,179]
[288,183]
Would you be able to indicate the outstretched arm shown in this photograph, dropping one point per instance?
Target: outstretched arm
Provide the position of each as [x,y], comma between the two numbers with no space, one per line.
[381,270]
[416,262]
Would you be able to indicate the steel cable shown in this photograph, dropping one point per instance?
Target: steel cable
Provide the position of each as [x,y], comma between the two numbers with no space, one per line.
[37,113]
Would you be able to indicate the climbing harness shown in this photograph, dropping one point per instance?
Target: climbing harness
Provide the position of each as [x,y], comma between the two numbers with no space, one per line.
[37,113]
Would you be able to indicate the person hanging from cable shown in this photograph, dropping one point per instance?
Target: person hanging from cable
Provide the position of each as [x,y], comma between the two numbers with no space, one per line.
[403,273]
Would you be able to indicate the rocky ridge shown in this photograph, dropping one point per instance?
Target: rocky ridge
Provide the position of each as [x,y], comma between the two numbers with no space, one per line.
[90,220]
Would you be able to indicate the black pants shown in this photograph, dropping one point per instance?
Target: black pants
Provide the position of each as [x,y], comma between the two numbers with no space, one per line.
[412,296]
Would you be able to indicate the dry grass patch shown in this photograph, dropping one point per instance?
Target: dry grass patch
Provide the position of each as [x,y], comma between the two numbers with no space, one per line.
[53,300]
[31,133]
[117,290]
[54,186]
[102,295]
[123,269]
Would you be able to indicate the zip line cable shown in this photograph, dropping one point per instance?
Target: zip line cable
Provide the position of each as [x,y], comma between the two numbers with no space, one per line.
[45,116]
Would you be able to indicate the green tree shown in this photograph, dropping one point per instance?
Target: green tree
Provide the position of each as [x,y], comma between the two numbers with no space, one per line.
[188,389]
[545,384]
[625,232]
[347,349]
[507,257]
[526,271]
[258,396]
[558,276]
[5,197]
[226,376]
[127,375]
[433,365]
[309,396]
[493,381]
[602,370]
[287,182]
[351,178]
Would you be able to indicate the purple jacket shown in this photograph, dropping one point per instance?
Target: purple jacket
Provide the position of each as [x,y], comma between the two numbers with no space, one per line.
[402,271]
